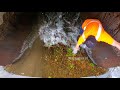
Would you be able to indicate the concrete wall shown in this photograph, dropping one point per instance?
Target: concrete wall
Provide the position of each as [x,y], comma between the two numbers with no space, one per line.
[1,17]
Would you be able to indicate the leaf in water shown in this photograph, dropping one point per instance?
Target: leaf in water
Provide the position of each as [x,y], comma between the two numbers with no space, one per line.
[69,52]
[92,64]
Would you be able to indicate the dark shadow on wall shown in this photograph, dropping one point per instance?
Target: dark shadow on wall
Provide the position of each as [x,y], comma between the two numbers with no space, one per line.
[16,28]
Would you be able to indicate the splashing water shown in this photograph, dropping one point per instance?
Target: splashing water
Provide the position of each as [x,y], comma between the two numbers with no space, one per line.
[58,29]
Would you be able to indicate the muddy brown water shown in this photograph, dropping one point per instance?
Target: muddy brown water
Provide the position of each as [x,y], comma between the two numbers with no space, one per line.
[40,61]
[34,61]
[31,61]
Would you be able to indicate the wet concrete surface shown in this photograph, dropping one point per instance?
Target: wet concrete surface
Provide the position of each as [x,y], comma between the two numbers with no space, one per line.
[104,55]
[10,47]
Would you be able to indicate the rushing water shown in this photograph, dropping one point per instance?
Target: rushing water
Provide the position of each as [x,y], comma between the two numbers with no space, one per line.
[60,28]
[54,28]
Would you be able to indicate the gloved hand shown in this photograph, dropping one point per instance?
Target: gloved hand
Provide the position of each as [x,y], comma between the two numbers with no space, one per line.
[83,46]
[75,50]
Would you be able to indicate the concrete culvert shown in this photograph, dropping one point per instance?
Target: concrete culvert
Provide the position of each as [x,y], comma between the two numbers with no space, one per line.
[13,31]
[40,44]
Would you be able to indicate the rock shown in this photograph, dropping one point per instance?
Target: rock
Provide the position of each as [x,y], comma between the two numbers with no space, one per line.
[104,55]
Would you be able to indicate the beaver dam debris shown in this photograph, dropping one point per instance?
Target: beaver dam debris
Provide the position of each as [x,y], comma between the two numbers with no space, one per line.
[54,62]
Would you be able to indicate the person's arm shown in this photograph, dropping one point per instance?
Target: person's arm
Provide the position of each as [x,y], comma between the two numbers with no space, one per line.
[82,38]
[116,44]
[80,41]
[87,32]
